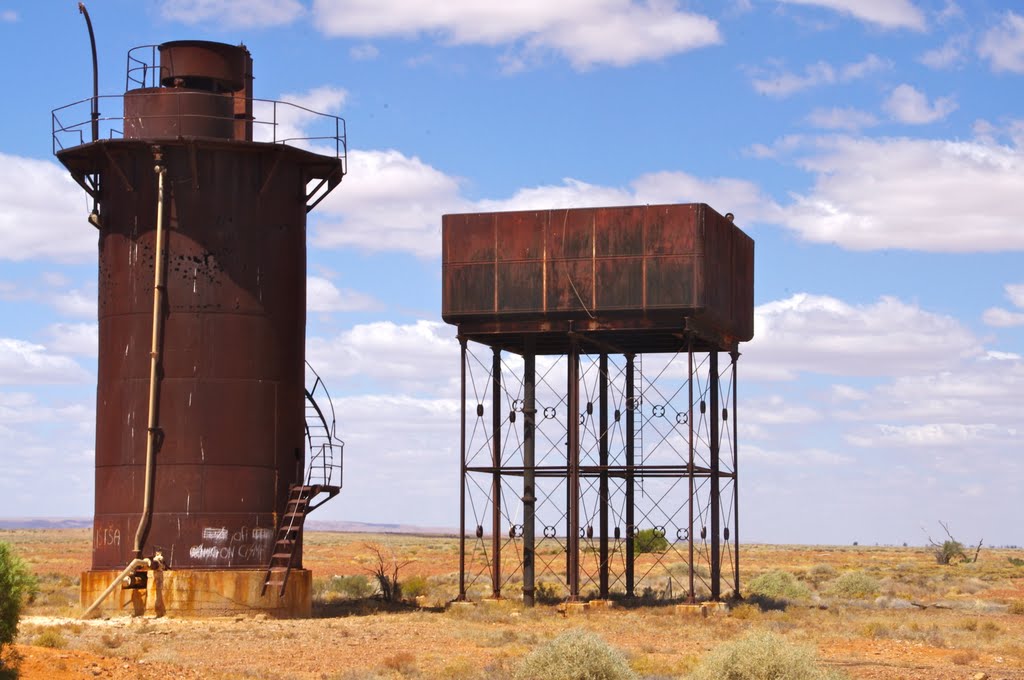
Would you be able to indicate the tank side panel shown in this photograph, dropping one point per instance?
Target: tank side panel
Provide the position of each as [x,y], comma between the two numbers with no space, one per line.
[231,397]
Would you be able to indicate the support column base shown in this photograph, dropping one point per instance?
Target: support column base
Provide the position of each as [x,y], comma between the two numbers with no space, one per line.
[201,593]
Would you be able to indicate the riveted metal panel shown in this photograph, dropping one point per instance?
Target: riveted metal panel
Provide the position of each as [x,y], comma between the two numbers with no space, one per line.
[652,268]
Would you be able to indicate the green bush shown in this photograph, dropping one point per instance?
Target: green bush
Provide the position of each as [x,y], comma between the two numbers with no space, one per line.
[820,573]
[855,585]
[50,637]
[414,586]
[778,585]
[649,541]
[356,587]
[761,656]
[950,552]
[17,586]
[574,655]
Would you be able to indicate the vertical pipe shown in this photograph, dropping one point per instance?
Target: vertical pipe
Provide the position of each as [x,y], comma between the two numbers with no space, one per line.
[689,470]
[602,404]
[573,482]
[95,74]
[715,509]
[630,489]
[152,430]
[462,478]
[496,474]
[529,462]
[735,479]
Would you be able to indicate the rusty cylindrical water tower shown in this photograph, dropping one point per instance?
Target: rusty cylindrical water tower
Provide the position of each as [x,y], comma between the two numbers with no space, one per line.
[202,473]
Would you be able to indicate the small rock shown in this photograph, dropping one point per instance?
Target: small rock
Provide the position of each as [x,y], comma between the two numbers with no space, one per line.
[979,676]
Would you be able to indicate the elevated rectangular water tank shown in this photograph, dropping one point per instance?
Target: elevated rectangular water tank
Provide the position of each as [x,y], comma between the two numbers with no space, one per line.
[613,269]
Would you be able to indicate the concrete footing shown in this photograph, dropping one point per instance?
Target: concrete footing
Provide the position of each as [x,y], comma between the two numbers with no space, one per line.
[702,609]
[200,593]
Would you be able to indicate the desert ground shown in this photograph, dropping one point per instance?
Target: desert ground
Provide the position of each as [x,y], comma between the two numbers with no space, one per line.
[909,617]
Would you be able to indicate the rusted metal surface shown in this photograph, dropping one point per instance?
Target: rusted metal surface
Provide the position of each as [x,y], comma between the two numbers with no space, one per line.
[597,290]
[201,64]
[231,398]
[191,593]
[161,113]
[613,270]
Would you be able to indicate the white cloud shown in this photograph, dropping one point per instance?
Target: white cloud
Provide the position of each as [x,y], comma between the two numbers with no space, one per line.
[887,14]
[950,54]
[774,410]
[23,363]
[388,201]
[790,457]
[393,202]
[233,13]
[364,52]
[950,11]
[780,83]
[820,334]
[1003,45]
[419,357]
[908,105]
[35,193]
[8,16]
[1004,318]
[1015,291]
[74,303]
[933,435]
[587,32]
[301,125]
[75,338]
[841,119]
[918,194]
[323,296]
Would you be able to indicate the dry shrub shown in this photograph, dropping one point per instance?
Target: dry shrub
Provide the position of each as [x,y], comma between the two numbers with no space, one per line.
[414,586]
[762,655]
[964,657]
[112,641]
[575,655]
[1017,607]
[400,662]
[50,637]
[820,573]
[778,585]
[745,612]
[855,585]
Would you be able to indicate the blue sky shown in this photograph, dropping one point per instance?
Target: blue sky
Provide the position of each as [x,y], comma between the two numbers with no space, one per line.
[874,149]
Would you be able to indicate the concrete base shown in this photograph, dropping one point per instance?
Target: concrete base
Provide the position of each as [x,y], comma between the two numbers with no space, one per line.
[575,608]
[200,593]
[703,609]
[601,604]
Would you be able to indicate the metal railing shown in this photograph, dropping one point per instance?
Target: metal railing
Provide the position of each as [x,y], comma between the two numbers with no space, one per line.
[326,452]
[273,121]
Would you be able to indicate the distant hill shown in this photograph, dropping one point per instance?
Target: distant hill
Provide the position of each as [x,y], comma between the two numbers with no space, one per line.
[312,525]
[45,522]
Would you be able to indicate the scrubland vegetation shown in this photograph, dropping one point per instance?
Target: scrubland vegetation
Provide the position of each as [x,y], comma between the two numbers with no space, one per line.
[807,612]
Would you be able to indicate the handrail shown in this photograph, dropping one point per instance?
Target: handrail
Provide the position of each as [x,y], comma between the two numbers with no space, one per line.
[321,454]
[272,125]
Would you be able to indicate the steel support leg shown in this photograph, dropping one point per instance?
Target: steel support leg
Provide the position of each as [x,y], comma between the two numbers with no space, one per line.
[462,478]
[496,403]
[689,471]
[602,404]
[573,422]
[735,479]
[630,484]
[529,492]
[715,501]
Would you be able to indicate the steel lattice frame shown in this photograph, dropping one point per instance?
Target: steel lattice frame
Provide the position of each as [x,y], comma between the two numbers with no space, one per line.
[568,459]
